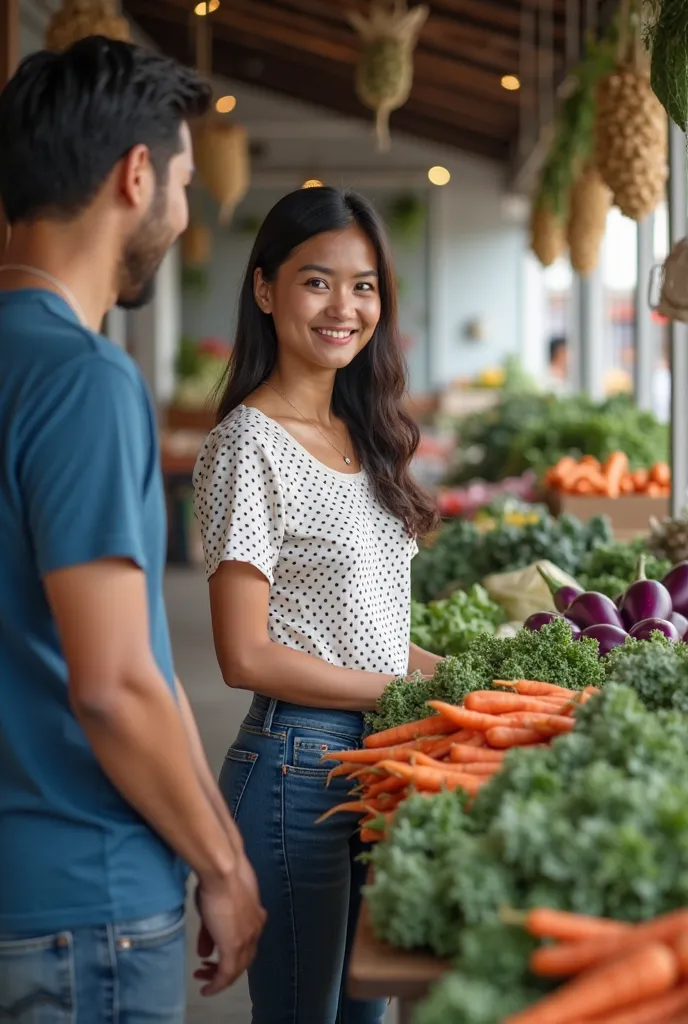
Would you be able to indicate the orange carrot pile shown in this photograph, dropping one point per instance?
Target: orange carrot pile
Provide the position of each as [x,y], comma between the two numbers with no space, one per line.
[611,479]
[458,748]
[617,973]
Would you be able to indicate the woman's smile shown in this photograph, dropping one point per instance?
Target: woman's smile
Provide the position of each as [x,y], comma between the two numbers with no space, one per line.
[336,335]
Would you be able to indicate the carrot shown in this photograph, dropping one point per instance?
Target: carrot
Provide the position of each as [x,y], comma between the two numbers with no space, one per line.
[614,469]
[547,725]
[434,725]
[433,779]
[641,478]
[461,753]
[644,972]
[655,490]
[391,784]
[492,702]
[533,688]
[484,768]
[463,717]
[545,923]
[351,806]
[661,1010]
[372,755]
[561,469]
[574,957]
[371,835]
[505,736]
[661,474]
[432,762]
[440,748]
[626,485]
[584,487]
[341,769]
[680,948]
[590,460]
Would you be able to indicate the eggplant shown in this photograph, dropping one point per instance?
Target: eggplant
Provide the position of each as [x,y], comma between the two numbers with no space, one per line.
[537,620]
[563,595]
[607,636]
[681,623]
[575,628]
[676,582]
[643,630]
[645,599]
[594,609]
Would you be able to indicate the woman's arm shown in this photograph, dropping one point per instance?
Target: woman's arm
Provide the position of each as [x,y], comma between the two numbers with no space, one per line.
[422,661]
[250,660]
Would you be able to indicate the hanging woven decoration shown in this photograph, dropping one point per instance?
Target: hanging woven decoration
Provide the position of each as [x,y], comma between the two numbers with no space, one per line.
[547,236]
[78,19]
[631,137]
[589,206]
[222,159]
[384,75]
[196,245]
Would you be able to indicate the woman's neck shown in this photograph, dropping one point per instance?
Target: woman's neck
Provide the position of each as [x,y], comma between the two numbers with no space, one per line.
[311,393]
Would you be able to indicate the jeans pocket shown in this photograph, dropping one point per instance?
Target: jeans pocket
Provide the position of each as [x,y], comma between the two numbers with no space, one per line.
[309,749]
[236,771]
[151,968]
[37,980]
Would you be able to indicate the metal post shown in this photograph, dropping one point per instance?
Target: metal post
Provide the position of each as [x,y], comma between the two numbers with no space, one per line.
[678,332]
[645,329]
[9,58]
[592,334]
[573,337]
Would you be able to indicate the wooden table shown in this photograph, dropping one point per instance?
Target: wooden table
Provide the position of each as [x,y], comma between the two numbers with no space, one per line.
[376,970]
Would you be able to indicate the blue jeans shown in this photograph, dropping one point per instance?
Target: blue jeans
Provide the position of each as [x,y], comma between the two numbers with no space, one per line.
[128,973]
[273,780]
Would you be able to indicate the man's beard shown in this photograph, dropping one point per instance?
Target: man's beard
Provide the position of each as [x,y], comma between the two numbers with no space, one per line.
[143,254]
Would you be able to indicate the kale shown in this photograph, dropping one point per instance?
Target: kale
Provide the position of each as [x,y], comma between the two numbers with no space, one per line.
[610,568]
[460,998]
[656,669]
[550,655]
[448,626]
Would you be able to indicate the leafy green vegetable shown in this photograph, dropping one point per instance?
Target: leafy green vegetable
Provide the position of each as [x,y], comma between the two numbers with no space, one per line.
[656,669]
[448,626]
[550,655]
[463,553]
[611,568]
[534,431]
[460,998]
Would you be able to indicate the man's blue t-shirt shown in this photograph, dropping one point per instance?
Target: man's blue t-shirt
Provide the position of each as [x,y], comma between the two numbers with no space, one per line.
[79,481]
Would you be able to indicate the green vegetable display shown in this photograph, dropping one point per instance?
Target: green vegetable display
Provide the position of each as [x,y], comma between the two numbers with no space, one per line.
[611,568]
[448,626]
[656,669]
[550,655]
[595,823]
[535,431]
[464,553]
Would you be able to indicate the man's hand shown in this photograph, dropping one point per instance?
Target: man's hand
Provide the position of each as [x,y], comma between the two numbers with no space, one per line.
[232,919]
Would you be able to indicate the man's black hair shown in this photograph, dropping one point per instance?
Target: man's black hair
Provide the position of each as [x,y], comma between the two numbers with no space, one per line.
[556,345]
[67,118]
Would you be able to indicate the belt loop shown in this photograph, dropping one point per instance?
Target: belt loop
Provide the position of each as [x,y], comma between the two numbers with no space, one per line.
[269,715]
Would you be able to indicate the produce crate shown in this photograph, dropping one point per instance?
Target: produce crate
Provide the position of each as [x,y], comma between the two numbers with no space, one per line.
[629,514]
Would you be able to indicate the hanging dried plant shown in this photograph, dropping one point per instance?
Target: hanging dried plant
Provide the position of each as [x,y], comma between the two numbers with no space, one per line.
[384,75]
[590,203]
[196,245]
[222,158]
[547,236]
[78,19]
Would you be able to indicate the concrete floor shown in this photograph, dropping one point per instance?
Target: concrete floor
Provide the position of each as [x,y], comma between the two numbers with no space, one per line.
[219,712]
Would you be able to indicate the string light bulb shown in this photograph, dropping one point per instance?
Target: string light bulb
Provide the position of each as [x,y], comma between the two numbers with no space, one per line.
[312,183]
[206,7]
[511,83]
[439,175]
[225,104]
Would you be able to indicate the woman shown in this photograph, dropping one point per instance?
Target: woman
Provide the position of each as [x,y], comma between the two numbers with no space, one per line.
[309,519]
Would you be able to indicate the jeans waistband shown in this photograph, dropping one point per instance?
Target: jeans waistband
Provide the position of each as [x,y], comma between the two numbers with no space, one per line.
[266,712]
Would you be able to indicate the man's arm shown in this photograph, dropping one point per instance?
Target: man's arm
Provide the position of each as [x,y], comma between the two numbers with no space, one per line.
[204,772]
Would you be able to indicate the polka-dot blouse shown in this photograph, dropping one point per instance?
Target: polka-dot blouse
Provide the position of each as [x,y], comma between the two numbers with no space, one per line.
[338,564]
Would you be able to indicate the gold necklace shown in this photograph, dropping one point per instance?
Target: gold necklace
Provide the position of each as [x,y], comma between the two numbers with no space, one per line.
[66,292]
[343,454]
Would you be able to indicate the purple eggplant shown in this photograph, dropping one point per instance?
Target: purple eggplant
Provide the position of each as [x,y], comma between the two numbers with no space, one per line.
[676,582]
[563,595]
[574,627]
[537,620]
[645,599]
[594,609]
[643,630]
[618,600]
[607,636]
[681,623]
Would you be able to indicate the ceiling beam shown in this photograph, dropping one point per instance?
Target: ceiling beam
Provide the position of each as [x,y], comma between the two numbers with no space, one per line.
[287,77]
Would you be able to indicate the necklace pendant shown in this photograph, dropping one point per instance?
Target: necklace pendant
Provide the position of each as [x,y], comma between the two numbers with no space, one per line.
[347,460]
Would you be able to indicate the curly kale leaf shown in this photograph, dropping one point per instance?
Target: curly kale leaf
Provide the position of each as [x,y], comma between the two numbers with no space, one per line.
[610,568]
[656,669]
[462,999]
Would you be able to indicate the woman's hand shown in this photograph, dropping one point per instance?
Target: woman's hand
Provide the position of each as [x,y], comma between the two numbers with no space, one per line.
[422,661]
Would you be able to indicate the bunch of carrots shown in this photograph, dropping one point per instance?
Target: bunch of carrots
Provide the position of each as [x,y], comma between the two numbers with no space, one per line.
[458,748]
[618,973]
[610,479]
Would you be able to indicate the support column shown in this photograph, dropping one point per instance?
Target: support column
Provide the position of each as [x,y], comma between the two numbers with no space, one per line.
[438,319]
[9,58]
[678,332]
[593,358]
[156,330]
[645,328]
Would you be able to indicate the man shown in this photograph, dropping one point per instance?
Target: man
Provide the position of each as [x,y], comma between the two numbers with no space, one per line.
[104,788]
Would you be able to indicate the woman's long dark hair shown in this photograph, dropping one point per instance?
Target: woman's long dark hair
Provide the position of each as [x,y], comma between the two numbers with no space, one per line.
[368,393]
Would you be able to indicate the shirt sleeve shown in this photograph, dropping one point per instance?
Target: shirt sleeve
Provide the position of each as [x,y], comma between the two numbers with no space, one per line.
[239,504]
[85,467]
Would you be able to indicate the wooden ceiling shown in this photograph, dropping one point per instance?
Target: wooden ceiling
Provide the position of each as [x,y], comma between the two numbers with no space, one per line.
[306,49]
